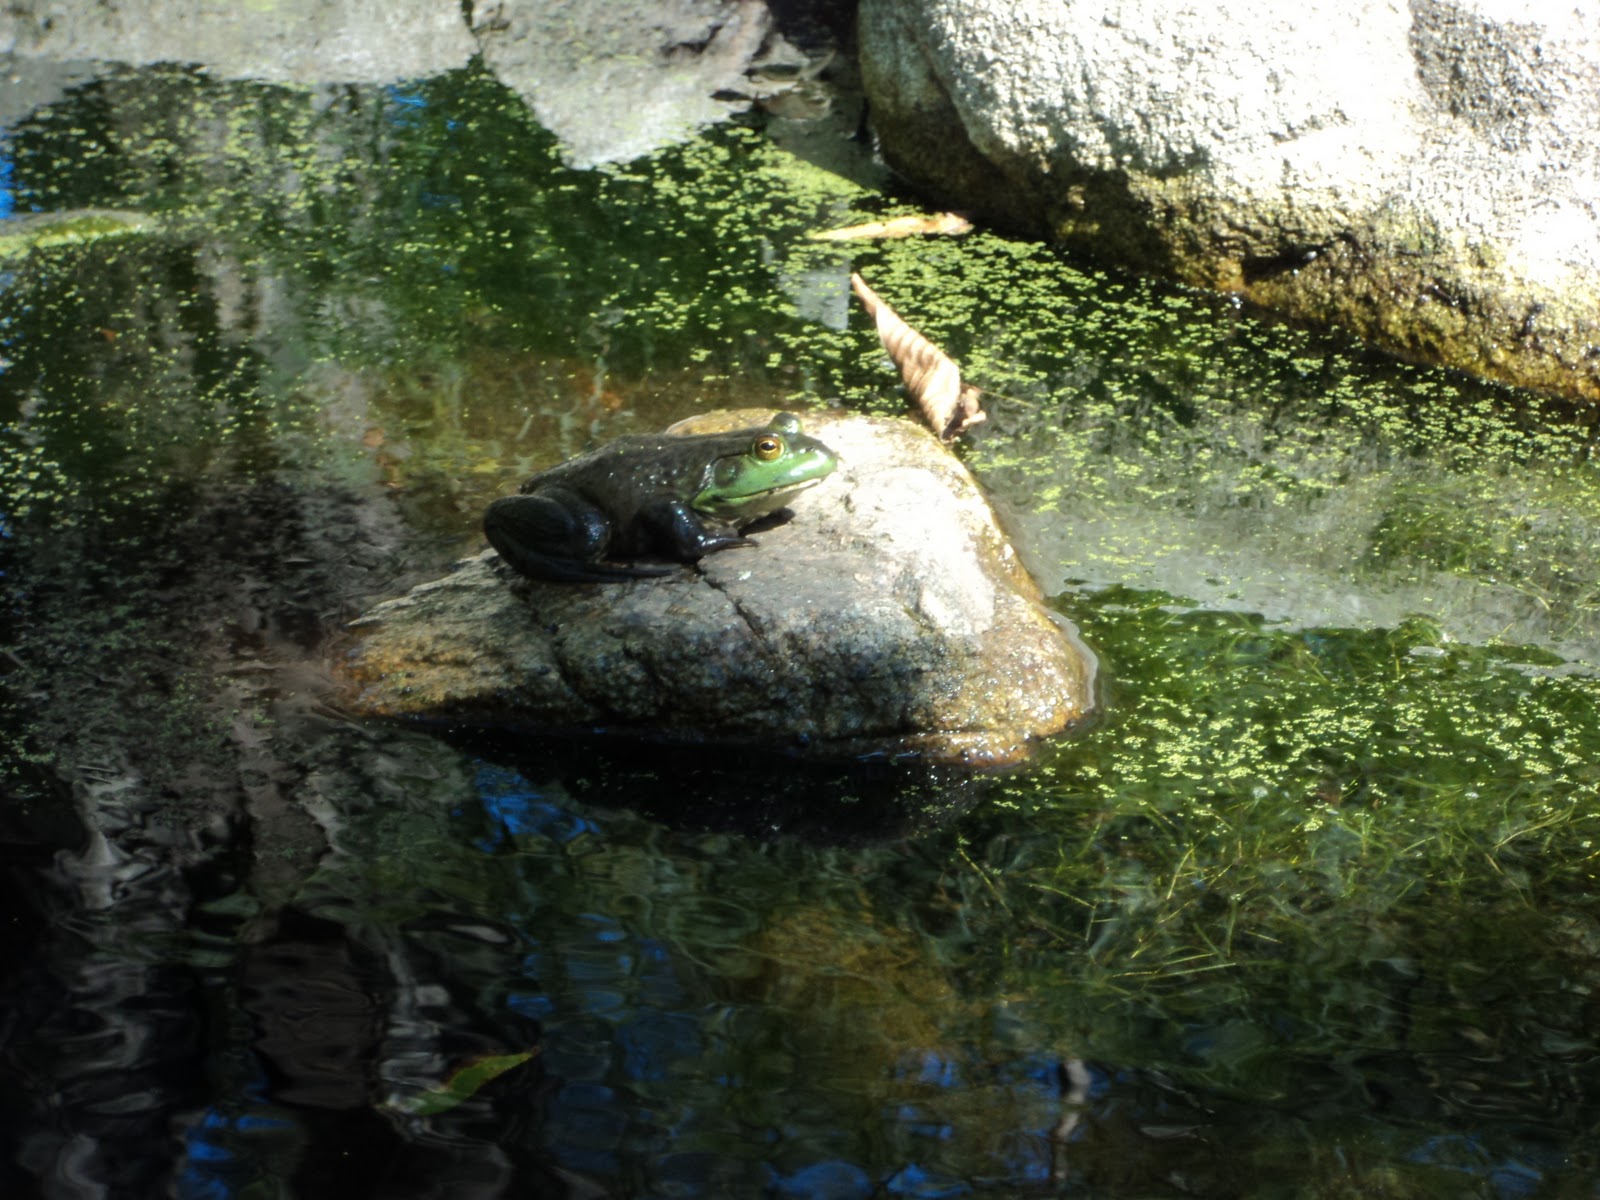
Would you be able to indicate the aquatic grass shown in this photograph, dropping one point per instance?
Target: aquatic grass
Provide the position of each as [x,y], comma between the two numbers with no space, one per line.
[1284,827]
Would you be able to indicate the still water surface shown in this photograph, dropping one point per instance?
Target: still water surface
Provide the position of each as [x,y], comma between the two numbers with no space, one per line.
[1309,910]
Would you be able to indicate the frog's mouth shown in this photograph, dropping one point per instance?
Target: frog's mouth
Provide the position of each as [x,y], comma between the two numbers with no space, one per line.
[754,505]
[747,499]
[784,489]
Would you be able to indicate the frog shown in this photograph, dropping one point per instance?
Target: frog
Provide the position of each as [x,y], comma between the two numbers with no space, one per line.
[668,496]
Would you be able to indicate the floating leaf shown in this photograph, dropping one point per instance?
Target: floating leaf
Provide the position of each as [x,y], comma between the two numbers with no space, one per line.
[932,378]
[466,1083]
[37,231]
[940,223]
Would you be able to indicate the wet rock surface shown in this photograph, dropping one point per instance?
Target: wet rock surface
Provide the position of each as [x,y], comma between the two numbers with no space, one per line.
[1423,174]
[888,615]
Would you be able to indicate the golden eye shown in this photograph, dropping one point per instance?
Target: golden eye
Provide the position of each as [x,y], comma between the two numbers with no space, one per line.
[767,448]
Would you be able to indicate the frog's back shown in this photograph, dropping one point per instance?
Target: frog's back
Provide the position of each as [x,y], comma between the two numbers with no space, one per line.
[626,473]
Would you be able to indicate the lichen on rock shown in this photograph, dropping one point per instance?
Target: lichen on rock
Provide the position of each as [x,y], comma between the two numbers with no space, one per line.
[888,616]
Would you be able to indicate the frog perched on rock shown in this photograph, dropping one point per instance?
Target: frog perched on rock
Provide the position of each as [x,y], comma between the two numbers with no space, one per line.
[677,498]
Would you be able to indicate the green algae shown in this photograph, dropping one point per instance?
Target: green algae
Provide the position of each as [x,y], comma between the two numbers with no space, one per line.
[1334,833]
[1181,446]
[1249,779]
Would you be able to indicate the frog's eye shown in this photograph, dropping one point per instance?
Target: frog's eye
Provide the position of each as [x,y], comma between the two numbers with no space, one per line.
[767,447]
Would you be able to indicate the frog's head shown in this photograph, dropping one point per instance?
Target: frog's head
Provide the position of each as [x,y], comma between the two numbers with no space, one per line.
[762,469]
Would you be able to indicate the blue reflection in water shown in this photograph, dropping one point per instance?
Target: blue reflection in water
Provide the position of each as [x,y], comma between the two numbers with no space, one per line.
[520,810]
[405,108]
[399,95]
[1466,1153]
[1514,1180]
[654,1040]
[911,1117]
[914,1180]
[224,1155]
[647,1060]
[592,1123]
[8,207]
[407,105]
[938,1071]
[609,931]
[8,191]
[531,1004]
[833,1180]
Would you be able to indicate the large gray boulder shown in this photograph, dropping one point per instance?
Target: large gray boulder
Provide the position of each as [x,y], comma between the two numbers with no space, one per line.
[1426,174]
[889,616]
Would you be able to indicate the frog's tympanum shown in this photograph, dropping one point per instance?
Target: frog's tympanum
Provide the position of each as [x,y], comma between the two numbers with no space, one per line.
[678,498]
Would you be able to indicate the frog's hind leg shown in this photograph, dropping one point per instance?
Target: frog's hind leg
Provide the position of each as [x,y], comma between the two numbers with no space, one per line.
[543,538]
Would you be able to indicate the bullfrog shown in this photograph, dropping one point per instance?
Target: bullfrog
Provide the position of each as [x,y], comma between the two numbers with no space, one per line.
[673,497]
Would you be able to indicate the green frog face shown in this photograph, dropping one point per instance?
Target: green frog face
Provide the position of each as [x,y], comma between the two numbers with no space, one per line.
[749,481]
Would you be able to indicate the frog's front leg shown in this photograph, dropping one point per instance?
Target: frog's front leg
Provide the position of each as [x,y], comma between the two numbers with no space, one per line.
[680,532]
[555,534]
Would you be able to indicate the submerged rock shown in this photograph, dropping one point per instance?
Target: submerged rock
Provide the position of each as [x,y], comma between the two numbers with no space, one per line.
[889,615]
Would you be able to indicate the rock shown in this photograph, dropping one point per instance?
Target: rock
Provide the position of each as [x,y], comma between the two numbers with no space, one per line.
[616,81]
[1427,175]
[889,615]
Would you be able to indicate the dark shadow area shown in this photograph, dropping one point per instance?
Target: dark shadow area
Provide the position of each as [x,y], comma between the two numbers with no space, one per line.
[758,792]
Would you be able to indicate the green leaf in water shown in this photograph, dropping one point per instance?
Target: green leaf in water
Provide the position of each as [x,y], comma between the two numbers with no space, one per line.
[466,1083]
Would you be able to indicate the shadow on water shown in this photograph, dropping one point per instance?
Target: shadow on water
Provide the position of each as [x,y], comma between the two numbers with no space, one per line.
[742,790]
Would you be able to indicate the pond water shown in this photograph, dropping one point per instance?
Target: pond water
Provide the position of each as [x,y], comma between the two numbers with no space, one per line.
[1308,910]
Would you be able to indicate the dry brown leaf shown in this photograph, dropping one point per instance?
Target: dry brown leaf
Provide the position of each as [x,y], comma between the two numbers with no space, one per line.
[932,378]
[945,223]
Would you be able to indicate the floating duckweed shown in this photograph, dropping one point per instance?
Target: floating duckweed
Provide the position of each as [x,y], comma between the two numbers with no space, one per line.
[1286,806]
[1340,807]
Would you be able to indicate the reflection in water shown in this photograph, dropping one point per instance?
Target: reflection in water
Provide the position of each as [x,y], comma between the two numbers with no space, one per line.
[314,1004]
[1311,902]
[713,1015]
[100,1040]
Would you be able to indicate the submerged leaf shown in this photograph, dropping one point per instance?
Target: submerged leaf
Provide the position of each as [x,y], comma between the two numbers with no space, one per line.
[932,378]
[466,1083]
[899,227]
